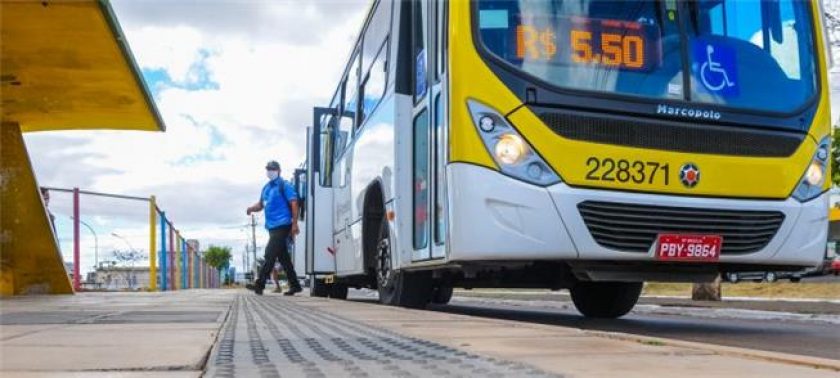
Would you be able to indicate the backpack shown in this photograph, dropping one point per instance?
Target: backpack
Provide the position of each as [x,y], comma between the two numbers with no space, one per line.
[290,241]
[282,188]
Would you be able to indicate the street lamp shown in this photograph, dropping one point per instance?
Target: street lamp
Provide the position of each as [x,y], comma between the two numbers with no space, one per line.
[95,242]
[130,248]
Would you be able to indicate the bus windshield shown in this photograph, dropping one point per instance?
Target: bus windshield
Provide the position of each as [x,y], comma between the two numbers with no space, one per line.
[744,54]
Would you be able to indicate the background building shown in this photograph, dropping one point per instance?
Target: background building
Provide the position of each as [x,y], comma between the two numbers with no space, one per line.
[121,278]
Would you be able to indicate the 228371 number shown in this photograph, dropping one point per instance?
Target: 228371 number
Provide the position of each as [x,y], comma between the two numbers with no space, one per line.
[639,172]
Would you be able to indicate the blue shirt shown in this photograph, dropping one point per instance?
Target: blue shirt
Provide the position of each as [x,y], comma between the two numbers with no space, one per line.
[277,210]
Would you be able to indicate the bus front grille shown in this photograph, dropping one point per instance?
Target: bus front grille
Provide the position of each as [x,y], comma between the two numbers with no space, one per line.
[672,135]
[634,228]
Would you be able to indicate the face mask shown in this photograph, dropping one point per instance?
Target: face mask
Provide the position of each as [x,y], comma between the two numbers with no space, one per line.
[272,174]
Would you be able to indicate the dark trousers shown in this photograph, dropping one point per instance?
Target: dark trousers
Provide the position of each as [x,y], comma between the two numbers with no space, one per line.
[277,249]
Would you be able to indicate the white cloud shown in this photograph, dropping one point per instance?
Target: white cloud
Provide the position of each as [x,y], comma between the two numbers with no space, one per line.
[267,63]
[173,49]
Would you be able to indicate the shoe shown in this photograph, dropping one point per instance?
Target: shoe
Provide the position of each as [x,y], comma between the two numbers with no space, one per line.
[278,290]
[258,290]
[293,291]
[250,286]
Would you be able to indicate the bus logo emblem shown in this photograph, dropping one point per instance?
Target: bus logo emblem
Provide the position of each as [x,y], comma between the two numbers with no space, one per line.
[689,175]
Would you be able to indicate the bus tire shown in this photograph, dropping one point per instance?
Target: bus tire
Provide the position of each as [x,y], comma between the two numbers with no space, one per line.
[399,288]
[605,299]
[338,291]
[318,288]
[442,295]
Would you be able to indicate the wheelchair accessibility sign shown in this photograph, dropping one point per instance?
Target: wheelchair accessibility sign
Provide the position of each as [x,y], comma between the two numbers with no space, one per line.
[715,66]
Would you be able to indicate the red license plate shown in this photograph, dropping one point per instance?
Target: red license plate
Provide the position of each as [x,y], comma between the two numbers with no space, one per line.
[684,247]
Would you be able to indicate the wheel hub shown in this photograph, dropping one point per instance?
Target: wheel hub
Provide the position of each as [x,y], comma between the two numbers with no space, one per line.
[383,271]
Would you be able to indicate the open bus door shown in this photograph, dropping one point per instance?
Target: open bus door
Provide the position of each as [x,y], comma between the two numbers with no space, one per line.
[299,245]
[320,253]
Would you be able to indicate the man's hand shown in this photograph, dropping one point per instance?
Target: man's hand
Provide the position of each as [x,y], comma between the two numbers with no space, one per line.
[254,208]
[295,230]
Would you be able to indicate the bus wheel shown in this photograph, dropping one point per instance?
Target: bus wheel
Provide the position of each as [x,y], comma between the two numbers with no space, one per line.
[338,291]
[605,299]
[399,288]
[318,288]
[442,295]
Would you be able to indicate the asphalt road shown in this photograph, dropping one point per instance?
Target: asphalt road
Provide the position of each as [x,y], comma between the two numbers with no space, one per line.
[810,338]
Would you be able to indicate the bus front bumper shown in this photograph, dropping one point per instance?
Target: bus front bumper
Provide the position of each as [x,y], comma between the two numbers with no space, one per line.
[494,217]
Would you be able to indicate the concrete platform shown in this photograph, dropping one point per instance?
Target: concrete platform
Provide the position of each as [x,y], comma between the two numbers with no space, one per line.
[230,333]
[573,352]
[111,334]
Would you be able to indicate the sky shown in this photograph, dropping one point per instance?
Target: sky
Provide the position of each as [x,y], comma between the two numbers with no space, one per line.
[235,82]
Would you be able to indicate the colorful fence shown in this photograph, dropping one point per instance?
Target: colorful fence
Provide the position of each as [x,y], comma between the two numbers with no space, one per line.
[176,265]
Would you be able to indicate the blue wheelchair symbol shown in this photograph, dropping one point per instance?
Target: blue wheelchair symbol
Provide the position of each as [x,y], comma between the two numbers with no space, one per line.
[718,69]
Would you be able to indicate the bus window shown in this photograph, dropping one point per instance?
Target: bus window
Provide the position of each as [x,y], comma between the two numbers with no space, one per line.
[300,188]
[440,163]
[769,37]
[419,25]
[376,33]
[374,57]
[348,114]
[326,152]
[440,37]
[420,182]
[373,87]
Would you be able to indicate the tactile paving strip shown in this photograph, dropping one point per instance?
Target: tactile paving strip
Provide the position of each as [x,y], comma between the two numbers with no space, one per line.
[272,337]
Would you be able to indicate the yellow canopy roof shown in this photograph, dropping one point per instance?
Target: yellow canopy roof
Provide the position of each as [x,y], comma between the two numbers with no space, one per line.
[66,65]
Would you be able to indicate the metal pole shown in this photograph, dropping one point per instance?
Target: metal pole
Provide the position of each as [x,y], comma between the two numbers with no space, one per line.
[171,251]
[163,272]
[194,269]
[184,270]
[87,192]
[176,264]
[95,243]
[188,273]
[152,244]
[197,267]
[253,237]
[179,244]
[76,248]
[200,268]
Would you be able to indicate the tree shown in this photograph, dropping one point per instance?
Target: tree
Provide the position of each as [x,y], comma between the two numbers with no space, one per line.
[218,257]
[128,258]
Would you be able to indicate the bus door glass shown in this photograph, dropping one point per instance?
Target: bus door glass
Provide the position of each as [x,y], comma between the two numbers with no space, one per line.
[319,193]
[439,118]
[344,249]
[421,137]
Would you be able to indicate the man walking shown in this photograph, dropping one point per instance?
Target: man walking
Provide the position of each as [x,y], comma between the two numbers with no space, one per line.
[279,200]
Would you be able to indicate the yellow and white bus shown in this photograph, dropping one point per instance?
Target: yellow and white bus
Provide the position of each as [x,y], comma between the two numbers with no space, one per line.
[588,145]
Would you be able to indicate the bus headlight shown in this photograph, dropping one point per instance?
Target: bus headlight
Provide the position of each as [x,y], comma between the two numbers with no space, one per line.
[811,185]
[510,149]
[511,152]
[815,174]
